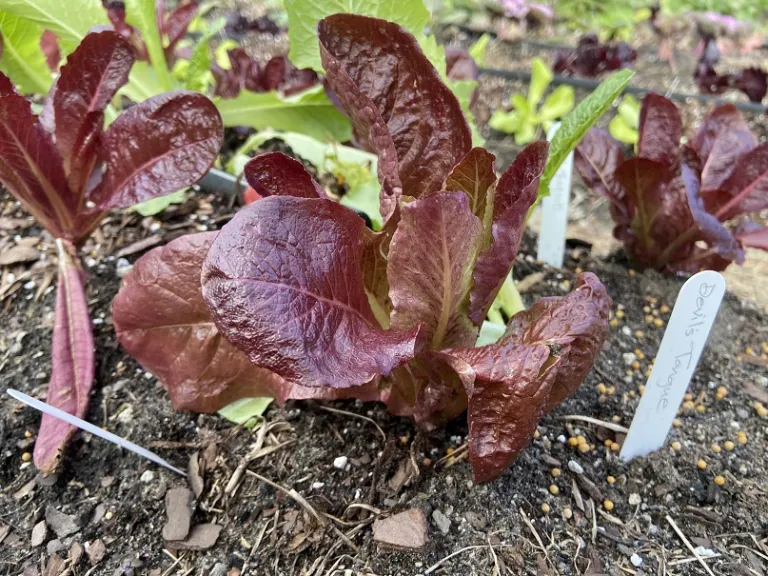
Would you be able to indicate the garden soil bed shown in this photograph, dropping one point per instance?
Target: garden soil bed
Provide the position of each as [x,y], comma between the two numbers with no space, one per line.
[499,528]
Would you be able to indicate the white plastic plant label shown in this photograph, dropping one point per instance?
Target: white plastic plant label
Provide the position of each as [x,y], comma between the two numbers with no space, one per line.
[554,211]
[684,340]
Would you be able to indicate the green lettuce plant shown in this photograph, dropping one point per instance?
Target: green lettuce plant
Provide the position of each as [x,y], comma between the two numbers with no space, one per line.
[529,113]
[624,125]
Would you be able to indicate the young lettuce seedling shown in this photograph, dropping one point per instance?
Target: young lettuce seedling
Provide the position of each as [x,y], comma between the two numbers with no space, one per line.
[300,300]
[527,114]
[682,208]
[68,171]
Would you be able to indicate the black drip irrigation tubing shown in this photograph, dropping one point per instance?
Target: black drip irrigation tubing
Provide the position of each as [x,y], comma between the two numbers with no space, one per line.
[590,84]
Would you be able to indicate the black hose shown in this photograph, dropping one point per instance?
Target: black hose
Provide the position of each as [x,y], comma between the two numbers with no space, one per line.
[591,84]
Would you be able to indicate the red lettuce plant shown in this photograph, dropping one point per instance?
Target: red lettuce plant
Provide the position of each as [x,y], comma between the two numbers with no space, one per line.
[172,26]
[296,298]
[68,171]
[682,208]
[751,81]
[246,73]
[591,58]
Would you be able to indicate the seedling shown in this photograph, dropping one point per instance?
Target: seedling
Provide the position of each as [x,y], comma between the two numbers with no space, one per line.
[624,125]
[528,113]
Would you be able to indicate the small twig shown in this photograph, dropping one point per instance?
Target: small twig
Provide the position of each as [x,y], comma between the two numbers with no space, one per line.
[596,422]
[234,480]
[444,560]
[594,521]
[535,535]
[353,415]
[688,544]
[175,562]
[689,560]
[454,454]
[307,506]
[763,556]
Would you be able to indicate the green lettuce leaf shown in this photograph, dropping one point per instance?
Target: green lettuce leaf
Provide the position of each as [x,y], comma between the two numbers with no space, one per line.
[22,60]
[309,112]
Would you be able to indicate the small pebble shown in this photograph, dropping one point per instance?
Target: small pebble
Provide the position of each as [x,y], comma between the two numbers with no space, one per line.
[340,462]
[575,467]
[635,499]
[147,476]
[636,560]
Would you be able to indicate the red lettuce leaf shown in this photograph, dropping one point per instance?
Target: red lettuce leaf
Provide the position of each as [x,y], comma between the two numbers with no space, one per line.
[515,193]
[162,320]
[277,174]
[279,74]
[753,82]
[643,180]
[373,269]
[427,389]
[72,364]
[431,258]
[283,282]
[747,187]
[596,158]
[591,58]
[386,66]
[660,130]
[174,26]
[543,357]
[160,314]
[719,239]
[244,74]
[721,139]
[31,168]
[476,176]
[459,64]
[89,80]
[157,147]
[752,235]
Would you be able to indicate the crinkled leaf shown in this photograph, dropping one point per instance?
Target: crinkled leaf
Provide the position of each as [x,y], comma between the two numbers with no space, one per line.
[476,176]
[718,237]
[30,166]
[579,121]
[386,66]
[89,80]
[431,258]
[542,358]
[283,281]
[72,364]
[753,82]
[661,128]
[310,112]
[577,323]
[592,58]
[596,158]
[277,174]
[22,60]
[142,162]
[515,194]
[303,18]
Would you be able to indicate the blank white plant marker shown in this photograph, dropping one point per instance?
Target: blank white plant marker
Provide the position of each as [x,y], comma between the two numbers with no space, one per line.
[554,211]
[88,427]
[695,311]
